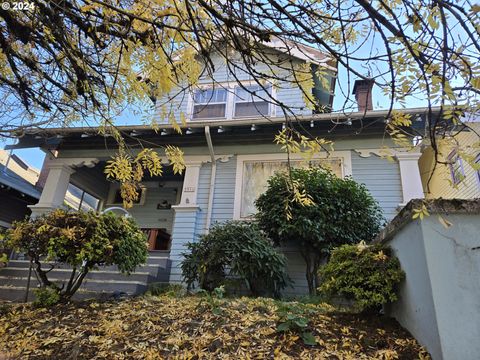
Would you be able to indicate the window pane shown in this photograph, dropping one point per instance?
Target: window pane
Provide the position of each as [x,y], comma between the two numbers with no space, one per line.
[255,176]
[257,173]
[208,111]
[73,196]
[251,109]
[456,168]
[206,96]
[242,95]
[477,162]
[247,104]
[89,202]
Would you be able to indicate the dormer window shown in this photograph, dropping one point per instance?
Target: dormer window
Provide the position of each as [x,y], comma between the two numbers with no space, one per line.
[248,103]
[209,103]
[230,101]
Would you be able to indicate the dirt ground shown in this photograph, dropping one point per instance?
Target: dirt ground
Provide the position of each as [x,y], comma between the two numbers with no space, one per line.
[168,327]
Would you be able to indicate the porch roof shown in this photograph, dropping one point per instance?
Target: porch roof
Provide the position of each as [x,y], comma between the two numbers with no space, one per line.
[12,180]
[240,131]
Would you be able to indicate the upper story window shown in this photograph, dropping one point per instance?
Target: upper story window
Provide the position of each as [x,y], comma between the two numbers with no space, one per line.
[456,168]
[209,103]
[248,103]
[232,101]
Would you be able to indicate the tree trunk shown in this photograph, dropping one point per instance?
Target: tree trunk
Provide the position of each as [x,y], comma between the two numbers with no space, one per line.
[42,275]
[312,259]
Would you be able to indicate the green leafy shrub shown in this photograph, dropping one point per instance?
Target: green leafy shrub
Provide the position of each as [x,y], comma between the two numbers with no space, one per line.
[342,212]
[3,253]
[172,290]
[367,274]
[213,299]
[46,297]
[294,317]
[83,240]
[235,249]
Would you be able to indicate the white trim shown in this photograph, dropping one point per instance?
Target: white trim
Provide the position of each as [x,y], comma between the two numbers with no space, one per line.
[185,208]
[60,162]
[344,156]
[410,178]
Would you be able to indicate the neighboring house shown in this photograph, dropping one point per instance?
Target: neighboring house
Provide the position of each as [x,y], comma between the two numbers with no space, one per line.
[17,188]
[459,177]
[229,155]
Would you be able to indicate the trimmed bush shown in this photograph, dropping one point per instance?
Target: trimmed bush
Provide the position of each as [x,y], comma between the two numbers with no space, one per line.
[235,249]
[46,297]
[82,240]
[367,274]
[342,212]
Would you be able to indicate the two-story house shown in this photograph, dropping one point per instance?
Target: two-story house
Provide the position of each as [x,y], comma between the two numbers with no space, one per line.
[229,155]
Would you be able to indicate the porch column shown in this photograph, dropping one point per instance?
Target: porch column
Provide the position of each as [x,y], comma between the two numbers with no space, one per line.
[55,188]
[412,187]
[185,219]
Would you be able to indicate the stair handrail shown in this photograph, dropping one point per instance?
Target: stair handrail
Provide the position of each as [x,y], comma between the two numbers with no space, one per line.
[127,214]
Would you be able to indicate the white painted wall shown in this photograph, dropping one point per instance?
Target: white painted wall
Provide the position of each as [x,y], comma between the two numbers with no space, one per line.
[440,299]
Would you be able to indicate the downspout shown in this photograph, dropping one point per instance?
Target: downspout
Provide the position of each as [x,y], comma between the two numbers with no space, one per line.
[213,174]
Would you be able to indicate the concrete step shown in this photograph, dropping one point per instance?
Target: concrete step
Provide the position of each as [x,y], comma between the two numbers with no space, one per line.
[65,274]
[17,294]
[155,270]
[101,282]
[158,261]
[129,287]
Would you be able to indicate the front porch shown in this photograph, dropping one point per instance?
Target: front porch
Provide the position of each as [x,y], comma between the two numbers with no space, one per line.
[81,184]
[166,211]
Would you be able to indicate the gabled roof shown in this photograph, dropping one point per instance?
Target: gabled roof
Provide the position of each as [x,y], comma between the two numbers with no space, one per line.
[12,180]
[302,52]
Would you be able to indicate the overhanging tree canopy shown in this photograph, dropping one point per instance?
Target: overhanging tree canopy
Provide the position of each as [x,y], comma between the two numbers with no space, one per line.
[66,61]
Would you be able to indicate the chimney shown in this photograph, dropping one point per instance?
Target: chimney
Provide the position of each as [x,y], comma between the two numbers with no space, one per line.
[362,89]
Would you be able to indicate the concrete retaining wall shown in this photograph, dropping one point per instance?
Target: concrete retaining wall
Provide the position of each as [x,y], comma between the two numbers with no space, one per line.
[439,302]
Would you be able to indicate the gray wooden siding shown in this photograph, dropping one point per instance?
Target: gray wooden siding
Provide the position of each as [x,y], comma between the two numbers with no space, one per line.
[382,179]
[202,199]
[183,230]
[224,190]
[290,95]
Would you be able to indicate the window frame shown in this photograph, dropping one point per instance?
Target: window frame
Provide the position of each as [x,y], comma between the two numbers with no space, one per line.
[82,198]
[477,172]
[230,87]
[344,156]
[210,103]
[453,158]
[236,98]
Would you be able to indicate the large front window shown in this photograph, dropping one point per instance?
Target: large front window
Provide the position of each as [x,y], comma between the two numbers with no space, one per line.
[256,173]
